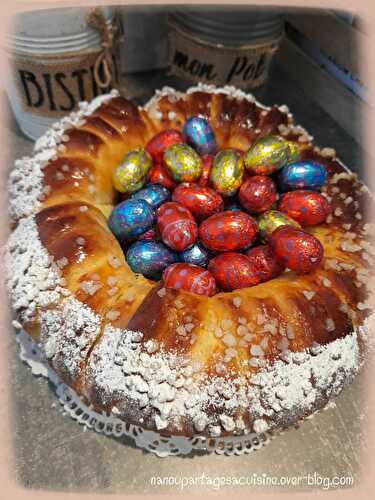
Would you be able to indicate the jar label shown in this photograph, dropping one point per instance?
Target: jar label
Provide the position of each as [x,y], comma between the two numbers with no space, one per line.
[53,86]
[198,61]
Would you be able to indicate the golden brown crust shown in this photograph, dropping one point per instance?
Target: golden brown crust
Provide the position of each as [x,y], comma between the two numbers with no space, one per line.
[89,247]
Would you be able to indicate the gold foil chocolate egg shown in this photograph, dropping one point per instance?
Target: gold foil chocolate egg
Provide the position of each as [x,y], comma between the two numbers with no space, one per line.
[227,172]
[131,174]
[267,155]
[183,163]
[271,220]
[294,152]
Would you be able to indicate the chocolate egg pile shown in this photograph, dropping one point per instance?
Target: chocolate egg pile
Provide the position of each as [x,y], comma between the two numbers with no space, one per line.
[205,219]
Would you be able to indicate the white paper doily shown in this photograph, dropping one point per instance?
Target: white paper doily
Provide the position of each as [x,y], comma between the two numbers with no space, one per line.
[111,426]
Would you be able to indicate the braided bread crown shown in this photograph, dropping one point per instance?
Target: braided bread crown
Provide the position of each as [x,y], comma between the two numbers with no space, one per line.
[249,360]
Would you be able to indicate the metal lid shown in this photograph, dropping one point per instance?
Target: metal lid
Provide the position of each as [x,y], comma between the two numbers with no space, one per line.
[54,30]
[229,26]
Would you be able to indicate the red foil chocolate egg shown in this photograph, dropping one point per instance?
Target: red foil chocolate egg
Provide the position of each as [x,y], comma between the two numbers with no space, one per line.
[161,141]
[207,161]
[159,175]
[233,270]
[306,207]
[201,201]
[264,260]
[176,226]
[257,194]
[296,249]
[228,231]
[190,278]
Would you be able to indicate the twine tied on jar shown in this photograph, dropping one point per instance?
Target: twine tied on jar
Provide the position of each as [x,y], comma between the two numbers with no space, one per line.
[96,21]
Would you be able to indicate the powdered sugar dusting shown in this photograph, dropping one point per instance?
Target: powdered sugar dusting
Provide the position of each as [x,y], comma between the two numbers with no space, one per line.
[163,388]
[159,94]
[67,335]
[25,185]
[172,94]
[33,280]
[228,90]
[302,381]
[56,134]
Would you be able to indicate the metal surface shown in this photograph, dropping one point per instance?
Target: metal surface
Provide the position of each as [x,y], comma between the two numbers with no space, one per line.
[228,25]
[54,453]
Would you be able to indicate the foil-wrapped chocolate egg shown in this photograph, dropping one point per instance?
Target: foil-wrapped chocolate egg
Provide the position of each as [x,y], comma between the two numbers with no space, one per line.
[201,201]
[196,255]
[269,221]
[306,207]
[207,162]
[150,258]
[265,262]
[159,175]
[296,249]
[233,270]
[130,218]
[176,226]
[294,152]
[267,155]
[191,278]
[154,194]
[131,174]
[199,134]
[257,194]
[227,172]
[302,175]
[150,234]
[183,163]
[228,231]
[162,141]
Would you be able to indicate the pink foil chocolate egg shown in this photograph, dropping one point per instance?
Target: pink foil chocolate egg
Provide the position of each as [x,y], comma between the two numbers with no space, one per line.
[190,278]
[257,194]
[150,234]
[265,262]
[233,270]
[176,226]
[207,161]
[201,201]
[296,249]
[306,207]
[228,231]
[159,175]
[161,141]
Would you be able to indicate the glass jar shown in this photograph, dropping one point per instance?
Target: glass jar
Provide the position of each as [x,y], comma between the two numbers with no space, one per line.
[227,46]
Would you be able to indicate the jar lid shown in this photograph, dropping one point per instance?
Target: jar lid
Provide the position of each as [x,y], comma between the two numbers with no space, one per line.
[54,30]
[229,26]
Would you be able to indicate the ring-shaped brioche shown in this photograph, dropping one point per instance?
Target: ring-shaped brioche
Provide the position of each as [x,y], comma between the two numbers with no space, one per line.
[249,360]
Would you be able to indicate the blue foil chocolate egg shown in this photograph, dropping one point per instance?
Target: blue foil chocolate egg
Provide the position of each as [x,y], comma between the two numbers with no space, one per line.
[150,258]
[198,133]
[302,175]
[130,219]
[154,194]
[195,255]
